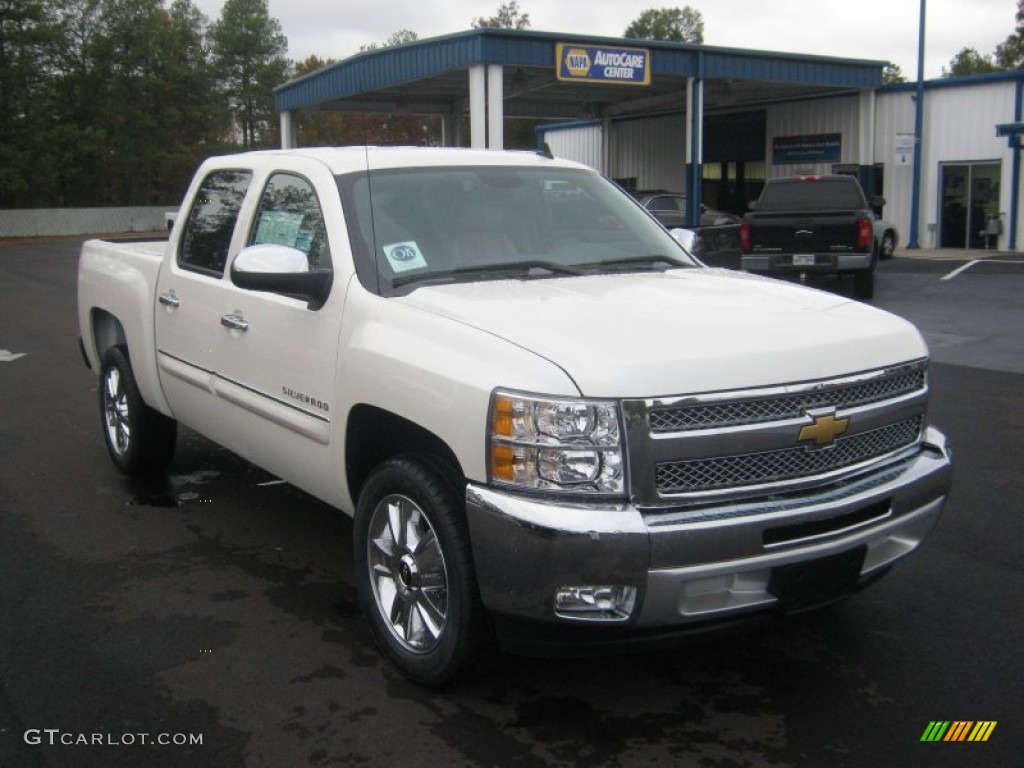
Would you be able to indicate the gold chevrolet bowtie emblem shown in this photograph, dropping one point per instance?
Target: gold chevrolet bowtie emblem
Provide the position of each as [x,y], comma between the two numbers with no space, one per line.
[824,430]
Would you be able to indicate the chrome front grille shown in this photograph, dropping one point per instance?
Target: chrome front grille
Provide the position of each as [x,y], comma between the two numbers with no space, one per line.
[729,413]
[775,439]
[697,475]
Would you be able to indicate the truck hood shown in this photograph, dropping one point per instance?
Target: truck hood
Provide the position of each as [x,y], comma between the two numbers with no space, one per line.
[679,332]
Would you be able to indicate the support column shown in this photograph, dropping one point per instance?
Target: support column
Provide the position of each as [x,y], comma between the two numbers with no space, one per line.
[1011,235]
[915,192]
[287,130]
[606,146]
[694,148]
[495,107]
[448,131]
[866,143]
[478,106]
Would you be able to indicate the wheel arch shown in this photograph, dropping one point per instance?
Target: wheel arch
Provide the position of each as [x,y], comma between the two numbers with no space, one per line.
[374,435]
[107,332]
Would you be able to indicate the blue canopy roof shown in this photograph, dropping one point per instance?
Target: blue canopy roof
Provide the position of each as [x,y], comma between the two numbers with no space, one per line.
[428,76]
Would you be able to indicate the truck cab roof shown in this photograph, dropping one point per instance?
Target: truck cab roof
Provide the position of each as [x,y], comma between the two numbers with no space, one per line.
[341,160]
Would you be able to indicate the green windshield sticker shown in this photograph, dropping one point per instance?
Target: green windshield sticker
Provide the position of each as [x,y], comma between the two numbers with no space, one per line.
[404,256]
[279,228]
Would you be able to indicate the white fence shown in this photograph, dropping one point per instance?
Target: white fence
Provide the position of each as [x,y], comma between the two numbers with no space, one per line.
[42,222]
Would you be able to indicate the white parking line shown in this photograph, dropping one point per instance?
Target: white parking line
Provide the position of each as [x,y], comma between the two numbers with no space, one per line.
[972,262]
[962,268]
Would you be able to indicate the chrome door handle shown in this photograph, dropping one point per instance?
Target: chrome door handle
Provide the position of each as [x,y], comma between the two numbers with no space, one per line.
[235,322]
[169,299]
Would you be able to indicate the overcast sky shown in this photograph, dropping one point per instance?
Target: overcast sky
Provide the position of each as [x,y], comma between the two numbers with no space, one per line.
[883,30]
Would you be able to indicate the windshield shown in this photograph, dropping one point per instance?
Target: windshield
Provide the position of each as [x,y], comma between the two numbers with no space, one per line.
[414,227]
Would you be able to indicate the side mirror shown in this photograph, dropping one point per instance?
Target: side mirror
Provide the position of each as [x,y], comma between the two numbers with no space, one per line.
[877,202]
[685,237]
[280,269]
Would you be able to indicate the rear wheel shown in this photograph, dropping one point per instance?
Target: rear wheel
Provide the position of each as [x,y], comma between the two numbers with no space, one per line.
[415,573]
[888,246]
[138,438]
[864,284]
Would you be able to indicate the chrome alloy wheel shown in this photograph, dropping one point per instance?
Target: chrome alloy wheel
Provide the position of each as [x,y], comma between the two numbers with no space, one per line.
[408,573]
[115,411]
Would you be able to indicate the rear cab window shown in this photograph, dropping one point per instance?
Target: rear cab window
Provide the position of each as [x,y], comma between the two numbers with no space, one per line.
[211,222]
[842,194]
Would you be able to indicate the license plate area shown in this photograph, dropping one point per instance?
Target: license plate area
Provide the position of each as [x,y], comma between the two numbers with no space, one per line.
[802,586]
[803,260]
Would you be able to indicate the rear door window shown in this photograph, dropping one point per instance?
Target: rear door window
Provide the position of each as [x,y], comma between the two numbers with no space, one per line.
[211,222]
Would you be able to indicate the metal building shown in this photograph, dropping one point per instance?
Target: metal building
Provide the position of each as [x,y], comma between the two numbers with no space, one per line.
[970,170]
[488,75]
[708,121]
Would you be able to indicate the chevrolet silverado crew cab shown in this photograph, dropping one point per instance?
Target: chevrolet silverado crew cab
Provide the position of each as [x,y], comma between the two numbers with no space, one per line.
[541,412]
[813,224]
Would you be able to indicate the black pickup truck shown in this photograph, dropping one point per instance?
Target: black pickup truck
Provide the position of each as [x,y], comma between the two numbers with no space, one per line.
[812,224]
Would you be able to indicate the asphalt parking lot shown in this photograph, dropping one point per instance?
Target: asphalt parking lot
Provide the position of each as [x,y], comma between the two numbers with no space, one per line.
[216,602]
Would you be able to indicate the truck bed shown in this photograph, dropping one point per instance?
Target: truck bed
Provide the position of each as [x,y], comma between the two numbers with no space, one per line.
[117,279]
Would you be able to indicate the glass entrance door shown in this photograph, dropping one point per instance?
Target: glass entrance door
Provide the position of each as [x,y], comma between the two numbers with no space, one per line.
[970,193]
[984,203]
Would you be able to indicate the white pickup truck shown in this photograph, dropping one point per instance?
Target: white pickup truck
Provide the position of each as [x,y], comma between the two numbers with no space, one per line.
[541,412]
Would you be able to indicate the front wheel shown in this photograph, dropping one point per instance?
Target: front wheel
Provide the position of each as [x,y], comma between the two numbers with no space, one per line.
[138,438]
[414,572]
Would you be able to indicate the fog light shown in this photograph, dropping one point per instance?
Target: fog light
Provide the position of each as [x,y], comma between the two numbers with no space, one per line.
[595,603]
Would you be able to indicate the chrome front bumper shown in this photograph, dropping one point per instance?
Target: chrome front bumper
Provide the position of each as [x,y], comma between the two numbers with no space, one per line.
[695,563]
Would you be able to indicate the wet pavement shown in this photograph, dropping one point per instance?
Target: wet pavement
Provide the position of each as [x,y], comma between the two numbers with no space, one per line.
[214,601]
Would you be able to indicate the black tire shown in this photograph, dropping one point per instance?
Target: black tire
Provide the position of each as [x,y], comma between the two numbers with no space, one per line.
[417,585]
[864,284]
[887,247]
[139,439]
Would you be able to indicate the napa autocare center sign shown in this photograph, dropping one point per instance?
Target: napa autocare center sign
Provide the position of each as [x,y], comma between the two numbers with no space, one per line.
[602,64]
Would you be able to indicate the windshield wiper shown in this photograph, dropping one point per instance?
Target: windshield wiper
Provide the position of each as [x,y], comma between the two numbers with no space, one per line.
[514,267]
[637,261]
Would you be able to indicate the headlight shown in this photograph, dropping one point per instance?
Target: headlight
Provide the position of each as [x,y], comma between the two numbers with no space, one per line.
[552,444]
